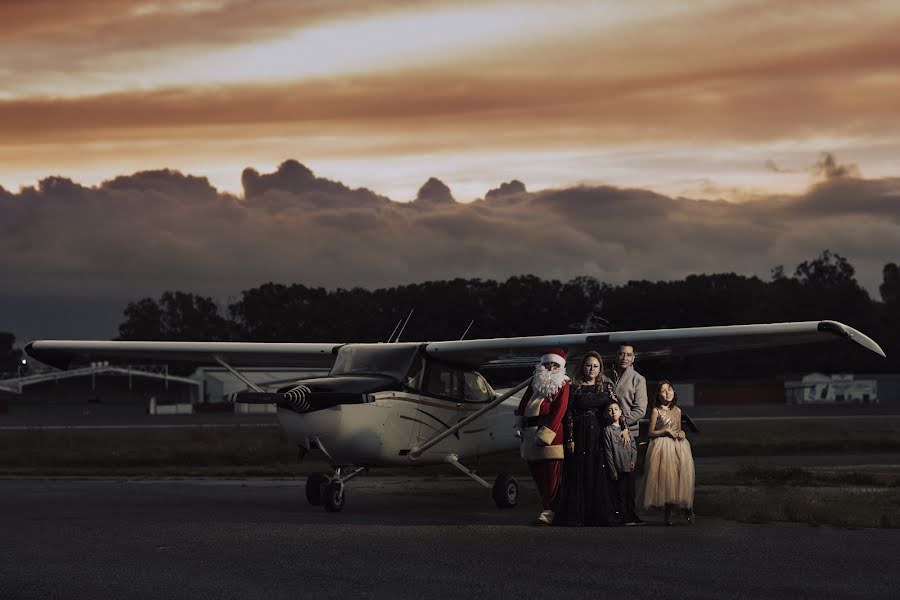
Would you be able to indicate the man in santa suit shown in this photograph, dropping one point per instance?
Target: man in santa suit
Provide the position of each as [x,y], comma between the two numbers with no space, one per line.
[540,426]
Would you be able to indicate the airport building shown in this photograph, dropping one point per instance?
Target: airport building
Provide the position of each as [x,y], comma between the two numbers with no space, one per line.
[144,389]
[813,388]
[817,388]
[155,390]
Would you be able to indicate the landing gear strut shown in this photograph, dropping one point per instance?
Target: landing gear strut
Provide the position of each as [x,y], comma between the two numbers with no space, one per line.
[328,490]
[505,490]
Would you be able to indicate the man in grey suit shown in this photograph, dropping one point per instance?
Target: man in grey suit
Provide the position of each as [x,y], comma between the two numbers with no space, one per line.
[631,392]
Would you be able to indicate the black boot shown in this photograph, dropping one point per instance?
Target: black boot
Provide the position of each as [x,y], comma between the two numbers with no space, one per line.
[668,514]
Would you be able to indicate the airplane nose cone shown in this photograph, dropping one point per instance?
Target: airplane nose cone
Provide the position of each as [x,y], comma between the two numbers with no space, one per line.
[298,398]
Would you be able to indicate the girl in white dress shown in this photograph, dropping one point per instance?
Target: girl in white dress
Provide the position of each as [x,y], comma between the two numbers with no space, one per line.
[669,471]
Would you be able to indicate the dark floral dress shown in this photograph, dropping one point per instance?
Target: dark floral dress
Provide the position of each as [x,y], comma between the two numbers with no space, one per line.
[585,493]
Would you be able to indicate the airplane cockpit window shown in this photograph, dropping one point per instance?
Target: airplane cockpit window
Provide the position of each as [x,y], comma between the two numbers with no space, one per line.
[414,376]
[448,381]
[477,388]
[443,380]
[387,359]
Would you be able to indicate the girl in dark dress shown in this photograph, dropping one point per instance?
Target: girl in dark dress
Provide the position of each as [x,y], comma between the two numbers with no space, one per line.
[585,494]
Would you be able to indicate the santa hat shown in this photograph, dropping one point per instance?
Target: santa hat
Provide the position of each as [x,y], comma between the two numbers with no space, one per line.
[557,355]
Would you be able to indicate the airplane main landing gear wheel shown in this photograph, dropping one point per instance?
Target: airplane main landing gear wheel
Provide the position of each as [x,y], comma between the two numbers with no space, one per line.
[314,484]
[505,491]
[333,496]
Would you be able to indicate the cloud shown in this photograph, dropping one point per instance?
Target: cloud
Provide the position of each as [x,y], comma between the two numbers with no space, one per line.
[434,191]
[507,188]
[158,230]
[662,78]
[772,166]
[297,179]
[828,167]
[126,24]
[792,81]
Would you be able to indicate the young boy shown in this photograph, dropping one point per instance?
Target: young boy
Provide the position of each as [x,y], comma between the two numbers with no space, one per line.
[621,455]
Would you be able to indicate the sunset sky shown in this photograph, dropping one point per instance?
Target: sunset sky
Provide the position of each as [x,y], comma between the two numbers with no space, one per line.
[759,103]
[704,98]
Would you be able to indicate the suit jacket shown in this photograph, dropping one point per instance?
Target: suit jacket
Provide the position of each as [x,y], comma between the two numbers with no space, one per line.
[619,455]
[631,392]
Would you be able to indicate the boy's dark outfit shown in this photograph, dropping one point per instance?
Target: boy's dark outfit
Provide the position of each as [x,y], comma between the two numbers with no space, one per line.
[619,458]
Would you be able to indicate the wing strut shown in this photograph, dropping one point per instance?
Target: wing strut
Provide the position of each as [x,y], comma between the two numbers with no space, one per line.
[416,452]
[454,460]
[234,372]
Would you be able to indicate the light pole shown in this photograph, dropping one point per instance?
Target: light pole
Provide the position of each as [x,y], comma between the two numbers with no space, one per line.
[22,364]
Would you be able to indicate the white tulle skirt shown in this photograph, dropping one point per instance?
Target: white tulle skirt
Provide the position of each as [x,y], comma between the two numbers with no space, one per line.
[668,474]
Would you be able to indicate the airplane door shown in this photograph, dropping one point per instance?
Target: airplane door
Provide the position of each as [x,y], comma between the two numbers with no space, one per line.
[479,433]
[410,417]
[439,406]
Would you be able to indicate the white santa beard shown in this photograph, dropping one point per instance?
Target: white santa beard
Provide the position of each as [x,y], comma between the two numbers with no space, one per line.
[546,383]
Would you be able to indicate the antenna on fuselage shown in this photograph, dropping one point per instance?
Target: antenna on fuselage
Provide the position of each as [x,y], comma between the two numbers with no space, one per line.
[467,329]
[397,339]
[396,327]
[591,324]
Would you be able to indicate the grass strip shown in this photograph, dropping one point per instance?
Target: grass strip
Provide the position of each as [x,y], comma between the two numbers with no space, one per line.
[844,507]
[761,475]
[766,438]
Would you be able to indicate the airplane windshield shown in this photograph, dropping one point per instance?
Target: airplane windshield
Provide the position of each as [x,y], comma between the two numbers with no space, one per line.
[387,359]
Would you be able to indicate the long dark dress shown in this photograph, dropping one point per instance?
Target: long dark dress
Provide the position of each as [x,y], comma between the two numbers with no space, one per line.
[586,495]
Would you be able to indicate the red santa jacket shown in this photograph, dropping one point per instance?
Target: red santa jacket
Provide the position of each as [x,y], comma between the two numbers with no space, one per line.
[541,422]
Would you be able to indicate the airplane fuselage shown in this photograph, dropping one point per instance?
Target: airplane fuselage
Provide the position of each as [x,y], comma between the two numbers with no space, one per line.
[381,401]
[382,430]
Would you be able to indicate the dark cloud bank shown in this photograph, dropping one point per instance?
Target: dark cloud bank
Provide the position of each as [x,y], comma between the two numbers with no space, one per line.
[141,234]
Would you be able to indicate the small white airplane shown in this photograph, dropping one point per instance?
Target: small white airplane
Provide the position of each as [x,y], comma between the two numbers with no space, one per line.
[411,403]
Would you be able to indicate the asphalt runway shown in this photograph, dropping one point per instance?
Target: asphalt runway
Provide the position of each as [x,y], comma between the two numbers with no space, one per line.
[102,416]
[398,537]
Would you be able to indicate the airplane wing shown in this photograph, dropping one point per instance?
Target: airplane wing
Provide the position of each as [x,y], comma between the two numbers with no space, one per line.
[62,353]
[525,351]
[495,352]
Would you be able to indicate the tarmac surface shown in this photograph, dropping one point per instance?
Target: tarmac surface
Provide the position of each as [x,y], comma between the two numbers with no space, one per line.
[398,537]
[126,416]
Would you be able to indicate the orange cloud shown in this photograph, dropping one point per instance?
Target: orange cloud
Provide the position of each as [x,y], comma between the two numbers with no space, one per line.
[712,76]
[786,98]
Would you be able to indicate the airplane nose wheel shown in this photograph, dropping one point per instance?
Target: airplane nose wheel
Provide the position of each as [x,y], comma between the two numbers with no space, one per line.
[334,496]
[505,491]
[328,490]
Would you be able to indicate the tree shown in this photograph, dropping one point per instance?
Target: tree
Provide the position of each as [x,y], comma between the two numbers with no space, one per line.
[826,288]
[827,271]
[890,293]
[821,288]
[177,316]
[143,321]
[10,356]
[890,287]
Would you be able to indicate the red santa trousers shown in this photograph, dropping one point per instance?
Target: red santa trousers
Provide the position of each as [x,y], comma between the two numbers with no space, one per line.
[546,476]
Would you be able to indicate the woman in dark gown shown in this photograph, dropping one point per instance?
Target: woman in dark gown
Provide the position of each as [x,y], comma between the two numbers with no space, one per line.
[585,493]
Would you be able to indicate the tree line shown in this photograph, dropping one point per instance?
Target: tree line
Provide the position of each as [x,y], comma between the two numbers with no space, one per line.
[821,288]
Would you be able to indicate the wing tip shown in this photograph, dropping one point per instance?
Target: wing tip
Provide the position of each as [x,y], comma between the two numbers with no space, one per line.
[48,356]
[847,332]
